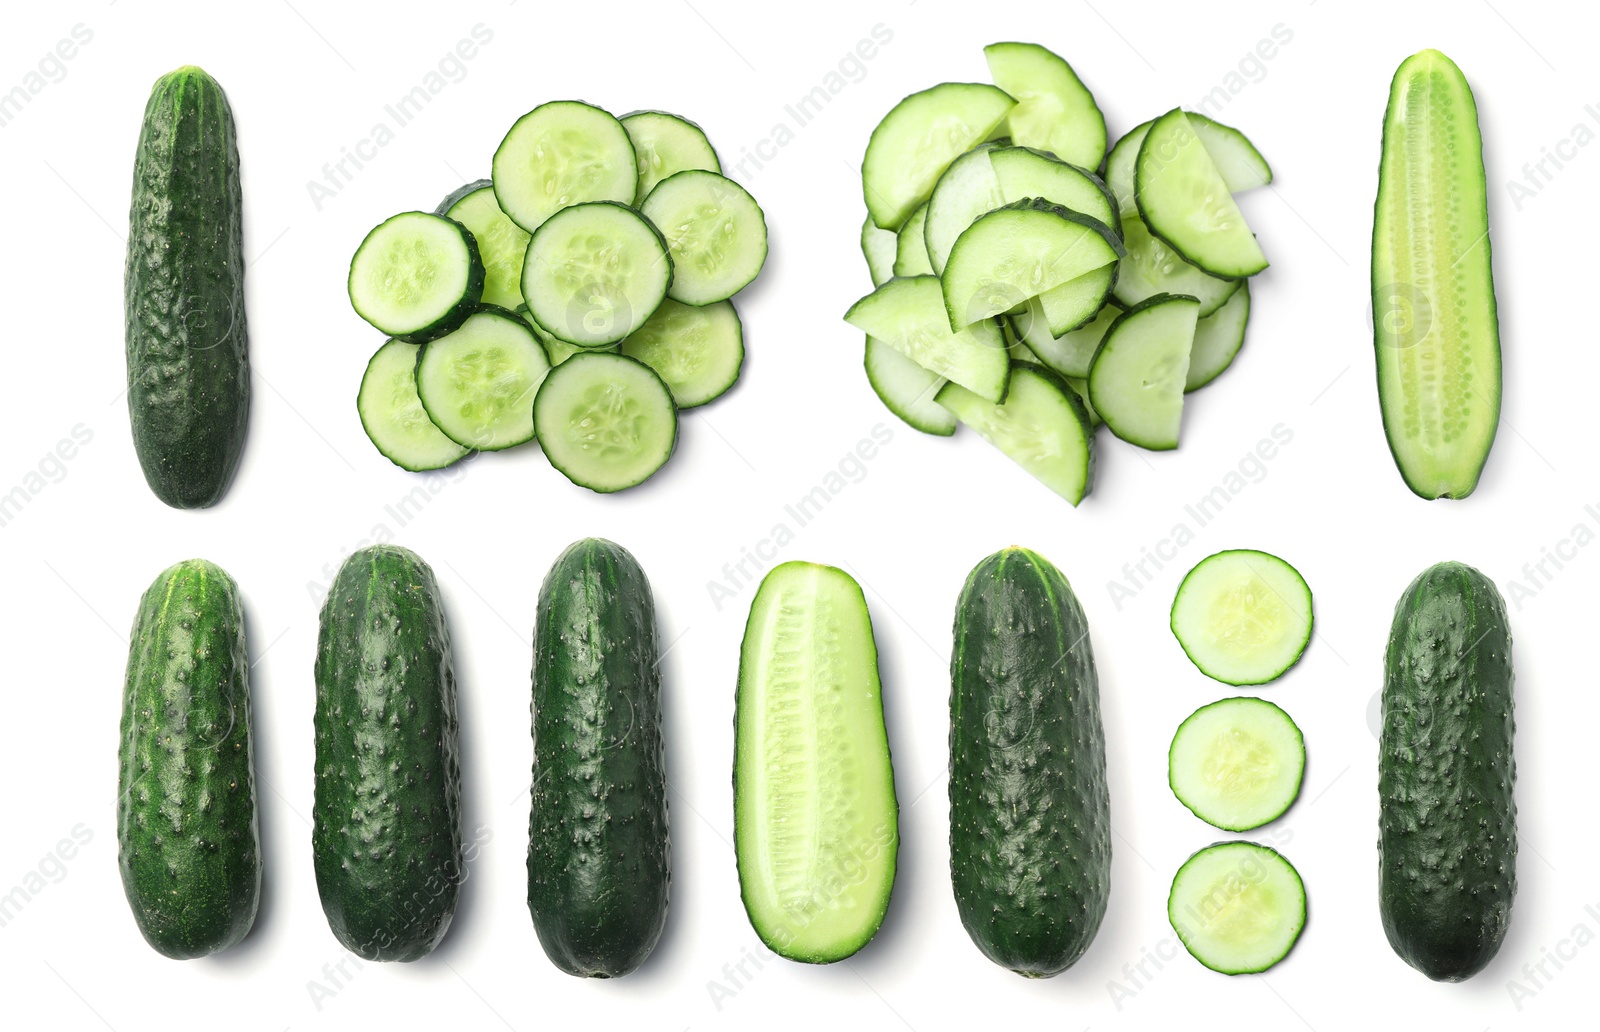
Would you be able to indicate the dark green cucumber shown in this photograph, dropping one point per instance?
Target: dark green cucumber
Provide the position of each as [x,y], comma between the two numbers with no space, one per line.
[598,850]
[386,818]
[188,841]
[1030,830]
[188,354]
[1447,842]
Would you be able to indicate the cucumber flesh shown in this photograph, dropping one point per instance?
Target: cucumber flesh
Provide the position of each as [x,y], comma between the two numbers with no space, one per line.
[919,138]
[715,232]
[911,249]
[502,244]
[607,422]
[879,247]
[1436,327]
[558,351]
[1184,201]
[1055,112]
[1025,172]
[416,276]
[909,316]
[1075,303]
[1238,907]
[666,144]
[1150,267]
[559,154]
[594,273]
[816,822]
[696,351]
[967,189]
[1071,353]
[1019,252]
[393,416]
[1042,427]
[1238,162]
[1217,339]
[1242,616]
[1138,374]
[478,382]
[1237,763]
[907,389]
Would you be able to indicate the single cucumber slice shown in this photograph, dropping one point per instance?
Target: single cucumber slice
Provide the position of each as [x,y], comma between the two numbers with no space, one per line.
[1151,267]
[595,272]
[502,244]
[607,422]
[1217,339]
[911,249]
[715,231]
[1055,111]
[909,316]
[416,276]
[919,138]
[1072,353]
[1042,427]
[1237,763]
[563,153]
[1120,164]
[393,416]
[1025,172]
[907,389]
[1243,617]
[1137,377]
[1184,201]
[1071,306]
[815,819]
[1018,252]
[879,246]
[1436,328]
[666,144]
[1238,162]
[1238,907]
[967,189]
[478,382]
[696,351]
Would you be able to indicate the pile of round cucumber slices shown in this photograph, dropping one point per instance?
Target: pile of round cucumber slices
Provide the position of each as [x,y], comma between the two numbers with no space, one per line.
[1034,286]
[580,297]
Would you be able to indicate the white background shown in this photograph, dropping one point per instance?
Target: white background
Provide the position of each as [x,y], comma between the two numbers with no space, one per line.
[307,81]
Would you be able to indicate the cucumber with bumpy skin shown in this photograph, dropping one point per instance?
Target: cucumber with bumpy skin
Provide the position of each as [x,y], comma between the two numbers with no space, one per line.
[1435,325]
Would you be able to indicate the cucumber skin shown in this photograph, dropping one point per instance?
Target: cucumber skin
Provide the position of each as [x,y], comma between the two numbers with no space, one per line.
[386,818]
[1030,830]
[189,843]
[1448,836]
[599,855]
[187,343]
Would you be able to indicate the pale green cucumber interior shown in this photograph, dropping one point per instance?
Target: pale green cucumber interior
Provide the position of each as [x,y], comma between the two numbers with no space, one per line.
[560,154]
[715,232]
[605,421]
[816,821]
[1237,907]
[1237,763]
[1055,111]
[502,244]
[1038,427]
[697,351]
[911,248]
[665,144]
[1027,173]
[478,382]
[1071,353]
[878,246]
[1075,302]
[1217,339]
[909,316]
[907,389]
[1184,201]
[1243,616]
[967,189]
[393,415]
[410,272]
[594,273]
[1151,267]
[1011,255]
[1138,374]
[919,138]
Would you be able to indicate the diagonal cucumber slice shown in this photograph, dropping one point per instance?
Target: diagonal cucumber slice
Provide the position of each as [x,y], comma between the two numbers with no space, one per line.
[1151,267]
[878,246]
[1217,339]
[1184,201]
[919,138]
[1071,353]
[911,248]
[1042,427]
[1435,323]
[907,389]
[1138,374]
[1238,907]
[909,316]
[1055,111]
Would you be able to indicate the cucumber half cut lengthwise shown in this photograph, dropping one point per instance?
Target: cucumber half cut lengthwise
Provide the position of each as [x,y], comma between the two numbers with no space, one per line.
[563,153]
[606,421]
[1237,763]
[1042,427]
[1184,200]
[919,138]
[1434,320]
[816,822]
[393,416]
[416,276]
[478,381]
[1242,616]
[715,232]
[1238,907]
[1137,377]
[594,273]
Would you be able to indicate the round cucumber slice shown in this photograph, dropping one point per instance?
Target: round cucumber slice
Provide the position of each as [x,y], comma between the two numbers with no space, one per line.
[1238,907]
[416,276]
[563,153]
[1242,616]
[393,416]
[1217,339]
[594,273]
[666,144]
[607,422]
[1237,763]
[907,389]
[715,231]
[501,242]
[478,382]
[1137,377]
[1184,201]
[697,351]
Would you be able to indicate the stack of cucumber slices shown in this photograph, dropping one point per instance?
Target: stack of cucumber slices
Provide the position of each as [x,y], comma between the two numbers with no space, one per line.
[1244,618]
[1034,286]
[580,297]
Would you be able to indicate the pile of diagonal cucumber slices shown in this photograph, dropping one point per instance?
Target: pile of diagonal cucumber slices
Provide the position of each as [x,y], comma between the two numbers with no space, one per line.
[1032,284]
